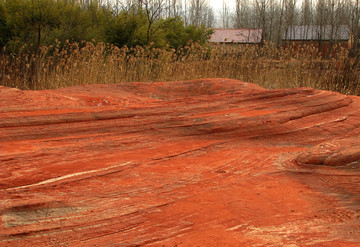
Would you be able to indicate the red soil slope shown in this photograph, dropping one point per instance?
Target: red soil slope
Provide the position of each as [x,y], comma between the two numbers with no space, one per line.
[211,162]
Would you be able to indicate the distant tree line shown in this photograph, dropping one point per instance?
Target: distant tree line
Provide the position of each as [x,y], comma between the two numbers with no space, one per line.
[276,16]
[160,23]
[170,23]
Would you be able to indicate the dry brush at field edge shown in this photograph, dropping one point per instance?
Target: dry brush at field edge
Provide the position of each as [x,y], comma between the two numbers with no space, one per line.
[72,64]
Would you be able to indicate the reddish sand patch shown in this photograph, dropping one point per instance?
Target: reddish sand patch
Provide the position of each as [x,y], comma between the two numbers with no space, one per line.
[212,162]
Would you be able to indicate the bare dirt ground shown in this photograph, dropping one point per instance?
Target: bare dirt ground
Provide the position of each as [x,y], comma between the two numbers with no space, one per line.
[211,162]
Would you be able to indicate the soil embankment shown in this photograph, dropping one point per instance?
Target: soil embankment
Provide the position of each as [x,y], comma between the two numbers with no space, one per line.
[211,162]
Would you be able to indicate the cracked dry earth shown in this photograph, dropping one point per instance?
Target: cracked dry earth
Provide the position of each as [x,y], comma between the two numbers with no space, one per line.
[212,162]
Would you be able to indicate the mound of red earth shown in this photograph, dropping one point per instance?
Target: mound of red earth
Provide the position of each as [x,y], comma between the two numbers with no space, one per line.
[211,162]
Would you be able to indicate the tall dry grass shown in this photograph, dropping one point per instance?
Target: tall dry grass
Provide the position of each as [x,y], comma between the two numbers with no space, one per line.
[71,64]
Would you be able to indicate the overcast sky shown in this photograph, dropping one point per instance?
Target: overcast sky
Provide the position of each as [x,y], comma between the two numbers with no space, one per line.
[217,4]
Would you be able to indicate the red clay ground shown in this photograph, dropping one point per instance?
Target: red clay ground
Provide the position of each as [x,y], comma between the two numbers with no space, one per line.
[211,162]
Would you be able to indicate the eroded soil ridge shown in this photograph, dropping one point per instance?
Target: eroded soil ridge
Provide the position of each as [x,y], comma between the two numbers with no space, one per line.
[211,162]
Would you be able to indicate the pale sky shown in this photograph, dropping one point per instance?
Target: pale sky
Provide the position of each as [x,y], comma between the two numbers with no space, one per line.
[218,4]
[215,4]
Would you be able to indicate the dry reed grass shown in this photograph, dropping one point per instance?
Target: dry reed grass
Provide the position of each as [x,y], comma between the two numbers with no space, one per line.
[71,64]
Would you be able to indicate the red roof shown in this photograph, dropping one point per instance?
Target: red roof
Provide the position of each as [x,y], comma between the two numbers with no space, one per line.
[236,36]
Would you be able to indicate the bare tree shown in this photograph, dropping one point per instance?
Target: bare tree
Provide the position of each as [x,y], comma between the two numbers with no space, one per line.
[225,16]
[320,20]
[260,7]
[153,10]
[333,24]
[281,22]
[244,15]
[185,12]
[343,12]
[273,19]
[209,18]
[354,22]
[197,10]
[84,3]
[172,8]
[126,5]
[307,12]
[239,13]
[290,14]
